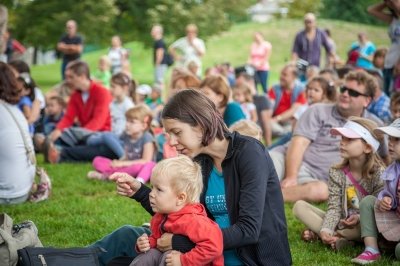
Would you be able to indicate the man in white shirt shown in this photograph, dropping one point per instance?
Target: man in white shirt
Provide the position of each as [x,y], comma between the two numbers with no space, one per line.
[190,47]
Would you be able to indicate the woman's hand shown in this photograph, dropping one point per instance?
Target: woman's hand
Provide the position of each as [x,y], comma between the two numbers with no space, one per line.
[164,243]
[173,258]
[385,204]
[126,184]
[143,243]
[351,221]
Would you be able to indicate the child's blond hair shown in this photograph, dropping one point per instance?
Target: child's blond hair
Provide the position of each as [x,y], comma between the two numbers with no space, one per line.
[373,161]
[106,60]
[140,112]
[184,174]
[247,128]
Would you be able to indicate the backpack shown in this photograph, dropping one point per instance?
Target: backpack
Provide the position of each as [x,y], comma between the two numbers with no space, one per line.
[353,55]
[15,237]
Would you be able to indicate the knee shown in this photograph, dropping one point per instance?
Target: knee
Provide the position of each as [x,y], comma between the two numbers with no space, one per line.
[368,201]
[318,192]
[298,207]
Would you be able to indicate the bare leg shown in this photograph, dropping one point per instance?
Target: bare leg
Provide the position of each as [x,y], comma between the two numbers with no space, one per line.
[312,192]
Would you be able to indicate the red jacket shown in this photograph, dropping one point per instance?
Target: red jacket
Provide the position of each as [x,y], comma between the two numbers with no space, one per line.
[191,221]
[94,114]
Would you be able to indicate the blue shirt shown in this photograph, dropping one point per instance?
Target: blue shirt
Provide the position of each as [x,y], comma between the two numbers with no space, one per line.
[381,108]
[216,204]
[367,50]
[26,101]
[233,113]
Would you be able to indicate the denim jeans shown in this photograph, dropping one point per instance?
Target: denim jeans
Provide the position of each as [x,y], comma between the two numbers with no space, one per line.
[22,199]
[120,243]
[262,78]
[110,139]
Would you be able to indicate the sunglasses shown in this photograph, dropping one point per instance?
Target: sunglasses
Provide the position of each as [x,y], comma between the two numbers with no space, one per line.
[351,92]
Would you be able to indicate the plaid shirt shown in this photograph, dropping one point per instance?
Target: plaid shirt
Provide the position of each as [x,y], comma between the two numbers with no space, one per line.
[381,108]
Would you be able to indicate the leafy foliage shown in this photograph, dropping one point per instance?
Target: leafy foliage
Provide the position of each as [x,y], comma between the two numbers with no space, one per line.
[298,8]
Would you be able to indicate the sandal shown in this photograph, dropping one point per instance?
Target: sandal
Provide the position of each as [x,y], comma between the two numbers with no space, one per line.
[309,236]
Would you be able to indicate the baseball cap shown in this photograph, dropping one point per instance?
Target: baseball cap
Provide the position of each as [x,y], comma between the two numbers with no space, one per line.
[353,130]
[143,89]
[392,130]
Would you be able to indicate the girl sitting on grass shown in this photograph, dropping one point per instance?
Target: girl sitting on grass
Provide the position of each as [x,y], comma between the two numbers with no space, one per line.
[382,215]
[139,147]
[350,181]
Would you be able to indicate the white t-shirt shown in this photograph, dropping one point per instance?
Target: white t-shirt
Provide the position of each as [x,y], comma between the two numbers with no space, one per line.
[188,51]
[118,111]
[16,171]
[116,56]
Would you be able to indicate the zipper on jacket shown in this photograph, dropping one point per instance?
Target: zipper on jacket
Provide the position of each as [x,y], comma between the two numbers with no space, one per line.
[42,260]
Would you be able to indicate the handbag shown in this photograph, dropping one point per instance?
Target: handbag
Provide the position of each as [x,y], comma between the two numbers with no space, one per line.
[48,256]
[14,237]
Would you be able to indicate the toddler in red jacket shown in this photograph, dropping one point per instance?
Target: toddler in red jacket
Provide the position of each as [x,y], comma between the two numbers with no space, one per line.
[176,187]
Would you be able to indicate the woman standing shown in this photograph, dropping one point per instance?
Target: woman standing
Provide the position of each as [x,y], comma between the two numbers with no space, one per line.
[260,52]
[392,18]
[17,169]
[241,189]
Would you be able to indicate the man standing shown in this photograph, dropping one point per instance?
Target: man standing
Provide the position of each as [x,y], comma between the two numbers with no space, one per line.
[88,108]
[308,42]
[190,47]
[303,166]
[70,44]
[159,55]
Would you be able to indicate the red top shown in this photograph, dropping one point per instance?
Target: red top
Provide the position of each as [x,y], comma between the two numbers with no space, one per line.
[191,221]
[285,102]
[94,114]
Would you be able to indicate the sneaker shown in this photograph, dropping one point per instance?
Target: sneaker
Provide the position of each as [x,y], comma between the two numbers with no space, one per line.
[51,153]
[366,258]
[96,175]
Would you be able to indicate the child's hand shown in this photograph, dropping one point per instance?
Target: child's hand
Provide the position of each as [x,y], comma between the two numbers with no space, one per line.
[126,184]
[143,243]
[327,238]
[351,221]
[385,204]
[173,258]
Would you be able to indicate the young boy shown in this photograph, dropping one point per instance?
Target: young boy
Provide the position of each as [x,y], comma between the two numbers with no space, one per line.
[103,73]
[176,187]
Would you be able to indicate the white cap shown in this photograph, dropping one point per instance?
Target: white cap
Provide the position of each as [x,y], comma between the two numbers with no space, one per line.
[392,130]
[353,130]
[143,89]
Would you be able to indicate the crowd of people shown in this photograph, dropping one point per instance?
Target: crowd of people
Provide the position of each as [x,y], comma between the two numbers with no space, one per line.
[223,151]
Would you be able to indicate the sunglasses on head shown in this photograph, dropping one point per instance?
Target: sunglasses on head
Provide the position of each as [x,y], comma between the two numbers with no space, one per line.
[351,92]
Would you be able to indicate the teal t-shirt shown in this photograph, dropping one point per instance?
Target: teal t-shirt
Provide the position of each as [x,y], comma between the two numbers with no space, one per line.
[233,113]
[216,204]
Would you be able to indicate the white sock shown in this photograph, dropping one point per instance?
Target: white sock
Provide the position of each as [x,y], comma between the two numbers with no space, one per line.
[372,250]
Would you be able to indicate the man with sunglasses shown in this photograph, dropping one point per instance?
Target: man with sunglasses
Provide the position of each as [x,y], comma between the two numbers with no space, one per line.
[303,165]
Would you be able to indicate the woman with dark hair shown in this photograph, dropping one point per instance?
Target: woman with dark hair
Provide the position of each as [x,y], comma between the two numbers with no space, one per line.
[241,189]
[17,170]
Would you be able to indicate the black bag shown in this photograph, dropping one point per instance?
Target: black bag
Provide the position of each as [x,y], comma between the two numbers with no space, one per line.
[169,59]
[58,256]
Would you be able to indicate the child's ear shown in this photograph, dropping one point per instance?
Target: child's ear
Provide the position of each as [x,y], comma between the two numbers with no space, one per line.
[182,197]
[147,120]
[368,149]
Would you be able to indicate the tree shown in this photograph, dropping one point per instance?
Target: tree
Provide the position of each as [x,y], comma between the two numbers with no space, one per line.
[355,11]
[40,23]
[298,8]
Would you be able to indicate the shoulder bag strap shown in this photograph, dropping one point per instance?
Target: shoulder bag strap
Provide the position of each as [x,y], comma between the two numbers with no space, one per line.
[354,182]
[29,151]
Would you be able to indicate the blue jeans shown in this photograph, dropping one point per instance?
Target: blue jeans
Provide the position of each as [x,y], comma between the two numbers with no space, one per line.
[22,199]
[109,139]
[262,78]
[120,243]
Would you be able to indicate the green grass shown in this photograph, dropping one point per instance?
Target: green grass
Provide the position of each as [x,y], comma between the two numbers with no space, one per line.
[81,211]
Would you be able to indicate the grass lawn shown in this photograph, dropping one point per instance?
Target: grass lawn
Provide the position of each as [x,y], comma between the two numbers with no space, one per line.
[81,211]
